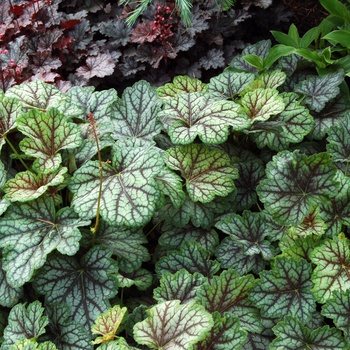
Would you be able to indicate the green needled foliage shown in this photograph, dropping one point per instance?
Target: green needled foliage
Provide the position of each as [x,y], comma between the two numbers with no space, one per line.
[191,216]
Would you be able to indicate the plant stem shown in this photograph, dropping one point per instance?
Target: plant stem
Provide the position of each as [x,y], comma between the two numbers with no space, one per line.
[16,153]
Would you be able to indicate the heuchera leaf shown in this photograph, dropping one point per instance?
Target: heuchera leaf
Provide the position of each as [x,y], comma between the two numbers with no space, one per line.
[142,279]
[229,293]
[319,90]
[27,186]
[289,126]
[126,245]
[10,110]
[228,85]
[332,270]
[9,296]
[24,322]
[260,104]
[191,257]
[99,66]
[292,334]
[181,285]
[225,334]
[181,84]
[187,116]
[272,79]
[36,94]
[134,115]
[107,324]
[30,231]
[208,172]
[83,283]
[66,332]
[338,309]
[285,289]
[28,344]
[48,133]
[249,231]
[129,189]
[296,184]
[172,326]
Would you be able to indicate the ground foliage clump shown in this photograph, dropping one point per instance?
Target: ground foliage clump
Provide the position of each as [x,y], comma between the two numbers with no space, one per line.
[186,215]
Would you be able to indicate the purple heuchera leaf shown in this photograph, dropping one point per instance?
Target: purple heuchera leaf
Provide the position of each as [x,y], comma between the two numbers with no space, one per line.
[97,66]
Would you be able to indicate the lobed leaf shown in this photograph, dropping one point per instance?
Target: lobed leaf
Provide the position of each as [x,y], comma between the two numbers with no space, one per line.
[319,90]
[99,65]
[332,270]
[30,231]
[9,296]
[48,133]
[296,184]
[292,334]
[83,283]
[285,290]
[208,172]
[129,190]
[170,325]
[181,84]
[134,115]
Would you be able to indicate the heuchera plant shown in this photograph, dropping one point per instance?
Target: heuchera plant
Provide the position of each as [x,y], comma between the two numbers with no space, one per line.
[191,216]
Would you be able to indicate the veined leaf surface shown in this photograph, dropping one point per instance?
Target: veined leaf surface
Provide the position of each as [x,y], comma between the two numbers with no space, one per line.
[129,189]
[285,289]
[134,115]
[36,94]
[9,296]
[48,133]
[27,186]
[296,184]
[84,284]
[24,322]
[172,326]
[30,231]
[292,334]
[208,172]
[333,269]
[195,114]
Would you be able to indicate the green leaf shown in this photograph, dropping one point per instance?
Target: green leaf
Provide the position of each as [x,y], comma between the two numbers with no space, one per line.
[30,231]
[336,8]
[48,133]
[27,344]
[142,279]
[181,285]
[10,110]
[195,114]
[129,190]
[27,186]
[272,79]
[191,257]
[229,293]
[226,333]
[119,344]
[208,172]
[172,237]
[261,104]
[290,126]
[68,334]
[292,334]
[170,325]
[126,245]
[337,213]
[339,37]
[338,143]
[285,289]
[296,184]
[338,309]
[83,283]
[319,90]
[24,323]
[332,270]
[255,61]
[231,254]
[134,115]
[181,84]
[228,85]
[248,231]
[170,184]
[107,324]
[9,296]
[36,94]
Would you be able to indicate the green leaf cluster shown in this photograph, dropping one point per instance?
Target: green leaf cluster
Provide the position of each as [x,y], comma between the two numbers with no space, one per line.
[190,216]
